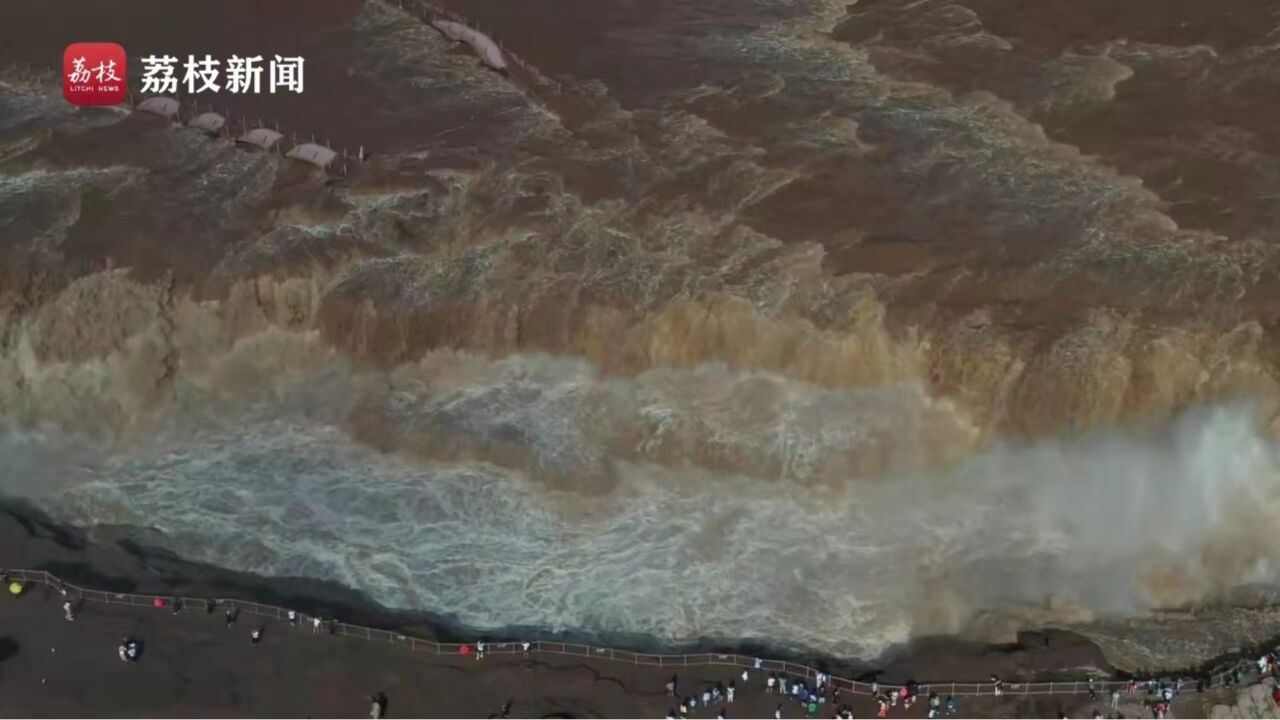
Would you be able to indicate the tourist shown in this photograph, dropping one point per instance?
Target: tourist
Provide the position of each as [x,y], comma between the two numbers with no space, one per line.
[232,613]
[935,702]
[744,677]
[720,715]
[759,664]
[479,650]
[770,681]
[706,698]
[375,710]
[997,687]
[1263,664]
[1115,699]
[315,626]
[875,687]
[671,686]
[1093,690]
[124,652]
[293,618]
[66,609]
[953,705]
[777,714]
[729,693]
[1097,715]
[883,712]
[525,647]
[255,636]
[684,708]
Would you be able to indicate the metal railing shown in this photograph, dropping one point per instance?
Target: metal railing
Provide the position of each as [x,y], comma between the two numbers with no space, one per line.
[334,627]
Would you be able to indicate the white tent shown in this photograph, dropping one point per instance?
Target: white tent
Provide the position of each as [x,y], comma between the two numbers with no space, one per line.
[317,155]
[165,107]
[211,123]
[484,46]
[264,138]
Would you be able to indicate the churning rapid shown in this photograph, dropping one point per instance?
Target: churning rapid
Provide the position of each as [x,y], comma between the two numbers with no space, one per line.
[820,324]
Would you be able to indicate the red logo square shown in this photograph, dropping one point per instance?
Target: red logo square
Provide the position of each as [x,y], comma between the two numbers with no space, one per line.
[94,74]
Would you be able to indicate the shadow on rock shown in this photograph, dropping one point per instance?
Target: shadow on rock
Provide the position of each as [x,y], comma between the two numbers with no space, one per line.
[8,648]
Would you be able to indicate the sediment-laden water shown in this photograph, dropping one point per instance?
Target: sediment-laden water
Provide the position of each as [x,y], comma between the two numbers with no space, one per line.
[818,324]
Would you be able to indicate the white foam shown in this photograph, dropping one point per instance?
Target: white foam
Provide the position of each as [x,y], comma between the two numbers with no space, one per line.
[681,551]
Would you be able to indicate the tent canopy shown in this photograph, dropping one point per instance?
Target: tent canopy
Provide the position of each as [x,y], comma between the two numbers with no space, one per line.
[165,107]
[209,122]
[484,46]
[265,138]
[317,155]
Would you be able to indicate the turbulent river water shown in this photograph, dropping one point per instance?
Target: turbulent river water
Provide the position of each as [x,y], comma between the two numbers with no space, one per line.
[823,324]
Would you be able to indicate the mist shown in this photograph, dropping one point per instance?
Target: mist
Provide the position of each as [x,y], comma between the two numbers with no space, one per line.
[527,490]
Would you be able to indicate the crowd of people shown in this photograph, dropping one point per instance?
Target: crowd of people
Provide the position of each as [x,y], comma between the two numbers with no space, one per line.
[812,699]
